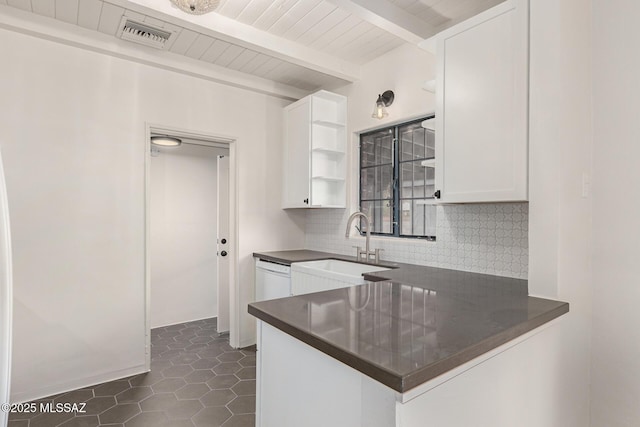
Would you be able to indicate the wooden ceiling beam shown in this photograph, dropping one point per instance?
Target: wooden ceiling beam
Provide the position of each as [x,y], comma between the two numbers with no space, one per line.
[389,17]
[232,31]
[46,28]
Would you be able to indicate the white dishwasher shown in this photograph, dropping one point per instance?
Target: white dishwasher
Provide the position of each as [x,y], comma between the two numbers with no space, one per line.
[272,280]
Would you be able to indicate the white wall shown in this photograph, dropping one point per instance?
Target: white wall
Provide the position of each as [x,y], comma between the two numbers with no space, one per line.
[487,238]
[404,71]
[559,217]
[616,215]
[184,212]
[73,140]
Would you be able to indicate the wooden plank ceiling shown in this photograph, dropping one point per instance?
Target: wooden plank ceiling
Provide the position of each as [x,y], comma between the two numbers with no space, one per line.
[308,44]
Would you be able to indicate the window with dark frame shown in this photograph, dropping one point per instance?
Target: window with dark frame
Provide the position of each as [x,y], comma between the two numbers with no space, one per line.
[397,180]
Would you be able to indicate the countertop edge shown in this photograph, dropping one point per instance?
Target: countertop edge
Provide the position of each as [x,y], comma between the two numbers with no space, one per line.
[313,256]
[403,384]
[478,349]
[271,259]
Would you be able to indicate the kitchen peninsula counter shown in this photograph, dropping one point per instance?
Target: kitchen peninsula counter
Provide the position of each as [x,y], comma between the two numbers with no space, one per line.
[408,329]
[417,323]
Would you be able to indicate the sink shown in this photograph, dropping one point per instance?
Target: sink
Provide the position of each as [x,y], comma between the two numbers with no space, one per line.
[342,267]
[315,276]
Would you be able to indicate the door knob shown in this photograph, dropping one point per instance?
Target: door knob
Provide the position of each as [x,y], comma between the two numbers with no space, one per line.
[223,253]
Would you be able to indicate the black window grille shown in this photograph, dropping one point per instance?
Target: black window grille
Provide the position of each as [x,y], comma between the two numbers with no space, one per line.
[397,180]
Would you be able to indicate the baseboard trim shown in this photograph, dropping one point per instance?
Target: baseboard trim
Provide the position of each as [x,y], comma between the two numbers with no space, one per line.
[184,321]
[65,387]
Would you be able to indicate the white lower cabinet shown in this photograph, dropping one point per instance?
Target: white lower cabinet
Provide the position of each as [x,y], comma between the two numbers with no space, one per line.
[482,107]
[516,384]
[298,385]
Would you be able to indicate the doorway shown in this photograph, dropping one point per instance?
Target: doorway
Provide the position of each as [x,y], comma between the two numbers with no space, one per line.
[184,217]
[184,250]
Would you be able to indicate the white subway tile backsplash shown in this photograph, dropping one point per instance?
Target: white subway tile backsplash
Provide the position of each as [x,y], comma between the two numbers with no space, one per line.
[483,238]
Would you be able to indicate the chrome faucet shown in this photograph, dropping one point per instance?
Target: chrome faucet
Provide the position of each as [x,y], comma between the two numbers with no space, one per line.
[366,253]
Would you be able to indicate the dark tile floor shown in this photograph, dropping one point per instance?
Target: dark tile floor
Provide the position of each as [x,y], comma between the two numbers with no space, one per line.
[196,380]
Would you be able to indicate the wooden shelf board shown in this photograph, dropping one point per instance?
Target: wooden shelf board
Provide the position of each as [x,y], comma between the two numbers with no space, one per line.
[328,150]
[329,124]
[328,178]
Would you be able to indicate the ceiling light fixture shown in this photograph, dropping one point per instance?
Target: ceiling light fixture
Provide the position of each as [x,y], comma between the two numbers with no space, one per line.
[384,100]
[165,141]
[196,7]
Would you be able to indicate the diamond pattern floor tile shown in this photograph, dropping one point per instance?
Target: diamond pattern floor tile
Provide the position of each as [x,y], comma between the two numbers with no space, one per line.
[196,379]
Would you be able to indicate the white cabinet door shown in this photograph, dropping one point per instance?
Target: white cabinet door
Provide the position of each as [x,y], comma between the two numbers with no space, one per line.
[297,127]
[482,107]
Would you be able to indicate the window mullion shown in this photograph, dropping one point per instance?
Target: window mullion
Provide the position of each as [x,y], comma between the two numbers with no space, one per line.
[396,183]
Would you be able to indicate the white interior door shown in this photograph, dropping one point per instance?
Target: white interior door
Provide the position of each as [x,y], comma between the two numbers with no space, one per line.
[224,284]
[6,299]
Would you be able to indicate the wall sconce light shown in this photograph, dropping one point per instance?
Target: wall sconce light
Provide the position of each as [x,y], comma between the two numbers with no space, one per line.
[165,141]
[384,100]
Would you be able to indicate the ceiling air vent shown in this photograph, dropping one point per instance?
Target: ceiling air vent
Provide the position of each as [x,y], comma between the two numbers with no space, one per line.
[143,34]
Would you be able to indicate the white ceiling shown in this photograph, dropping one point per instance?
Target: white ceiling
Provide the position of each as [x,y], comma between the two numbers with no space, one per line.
[318,24]
[302,44]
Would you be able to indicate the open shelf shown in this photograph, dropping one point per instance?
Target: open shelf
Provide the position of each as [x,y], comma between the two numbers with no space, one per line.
[316,151]
[328,191]
[326,123]
[328,151]
[328,178]
[328,137]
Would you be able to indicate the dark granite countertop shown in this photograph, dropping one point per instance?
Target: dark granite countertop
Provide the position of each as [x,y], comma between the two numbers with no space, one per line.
[405,331]
[289,257]
[302,255]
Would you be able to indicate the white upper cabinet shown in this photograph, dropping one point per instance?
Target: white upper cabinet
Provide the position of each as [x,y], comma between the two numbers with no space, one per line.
[315,152]
[482,107]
